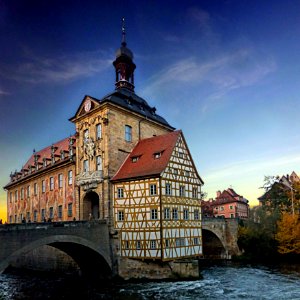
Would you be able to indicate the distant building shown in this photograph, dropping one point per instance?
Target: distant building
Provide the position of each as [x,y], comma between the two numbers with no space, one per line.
[227,204]
[280,189]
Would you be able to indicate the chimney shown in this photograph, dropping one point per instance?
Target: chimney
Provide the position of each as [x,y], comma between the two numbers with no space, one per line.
[218,194]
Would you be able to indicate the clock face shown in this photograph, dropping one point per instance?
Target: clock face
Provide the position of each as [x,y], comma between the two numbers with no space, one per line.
[87,105]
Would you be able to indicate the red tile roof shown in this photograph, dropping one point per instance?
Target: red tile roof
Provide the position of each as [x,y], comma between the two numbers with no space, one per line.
[46,152]
[147,164]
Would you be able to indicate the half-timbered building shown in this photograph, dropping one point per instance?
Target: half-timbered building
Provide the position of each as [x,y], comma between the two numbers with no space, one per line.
[156,200]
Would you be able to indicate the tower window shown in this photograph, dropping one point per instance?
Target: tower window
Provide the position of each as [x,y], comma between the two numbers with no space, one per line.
[99,163]
[85,165]
[128,133]
[98,131]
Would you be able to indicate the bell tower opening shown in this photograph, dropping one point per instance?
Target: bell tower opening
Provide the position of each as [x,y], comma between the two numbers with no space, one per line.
[91,206]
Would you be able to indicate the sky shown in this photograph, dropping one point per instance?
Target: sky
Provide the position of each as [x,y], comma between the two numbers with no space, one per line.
[225,72]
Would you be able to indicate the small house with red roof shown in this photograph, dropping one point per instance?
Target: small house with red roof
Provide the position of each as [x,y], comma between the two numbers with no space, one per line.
[229,204]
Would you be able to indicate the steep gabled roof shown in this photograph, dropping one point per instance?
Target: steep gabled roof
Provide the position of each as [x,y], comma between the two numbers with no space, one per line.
[142,160]
[128,100]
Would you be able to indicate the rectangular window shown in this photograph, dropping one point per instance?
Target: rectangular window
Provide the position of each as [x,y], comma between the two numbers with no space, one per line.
[86,135]
[154,214]
[196,241]
[126,244]
[60,211]
[28,191]
[28,216]
[98,131]
[51,183]
[185,214]
[196,214]
[43,215]
[153,244]
[60,180]
[194,193]
[16,219]
[70,209]
[152,189]
[168,189]
[175,214]
[16,195]
[22,193]
[120,215]
[180,154]
[180,242]
[222,208]
[35,188]
[128,133]
[231,215]
[85,165]
[120,193]
[167,243]
[70,177]
[181,191]
[43,186]
[99,163]
[187,173]
[231,207]
[138,245]
[167,213]
[35,216]
[51,213]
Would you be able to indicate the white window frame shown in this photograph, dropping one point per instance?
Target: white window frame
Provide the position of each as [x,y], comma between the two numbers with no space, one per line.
[120,215]
[98,131]
[60,180]
[128,133]
[154,214]
[153,189]
[70,177]
[120,192]
[168,189]
[167,213]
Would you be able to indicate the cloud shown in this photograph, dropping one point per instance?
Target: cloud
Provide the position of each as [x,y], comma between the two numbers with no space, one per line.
[35,69]
[3,93]
[221,74]
[263,166]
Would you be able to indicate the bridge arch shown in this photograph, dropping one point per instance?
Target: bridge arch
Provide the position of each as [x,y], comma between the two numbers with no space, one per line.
[213,245]
[92,261]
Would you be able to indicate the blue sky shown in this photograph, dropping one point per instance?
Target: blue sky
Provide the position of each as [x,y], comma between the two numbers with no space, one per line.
[225,72]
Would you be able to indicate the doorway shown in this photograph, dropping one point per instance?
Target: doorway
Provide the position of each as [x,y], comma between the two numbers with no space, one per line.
[91,206]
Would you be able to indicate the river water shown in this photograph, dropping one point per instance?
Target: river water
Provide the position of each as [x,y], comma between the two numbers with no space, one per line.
[229,281]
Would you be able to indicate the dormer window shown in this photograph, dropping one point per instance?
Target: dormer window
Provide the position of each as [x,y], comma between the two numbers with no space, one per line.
[134,159]
[62,154]
[157,154]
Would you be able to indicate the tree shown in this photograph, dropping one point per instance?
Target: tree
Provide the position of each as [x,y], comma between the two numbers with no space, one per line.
[288,234]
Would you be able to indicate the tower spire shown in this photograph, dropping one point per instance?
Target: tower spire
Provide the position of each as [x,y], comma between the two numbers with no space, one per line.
[124,64]
[123,33]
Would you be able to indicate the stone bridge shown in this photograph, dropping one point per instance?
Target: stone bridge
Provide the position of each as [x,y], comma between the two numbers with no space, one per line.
[86,242]
[220,238]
